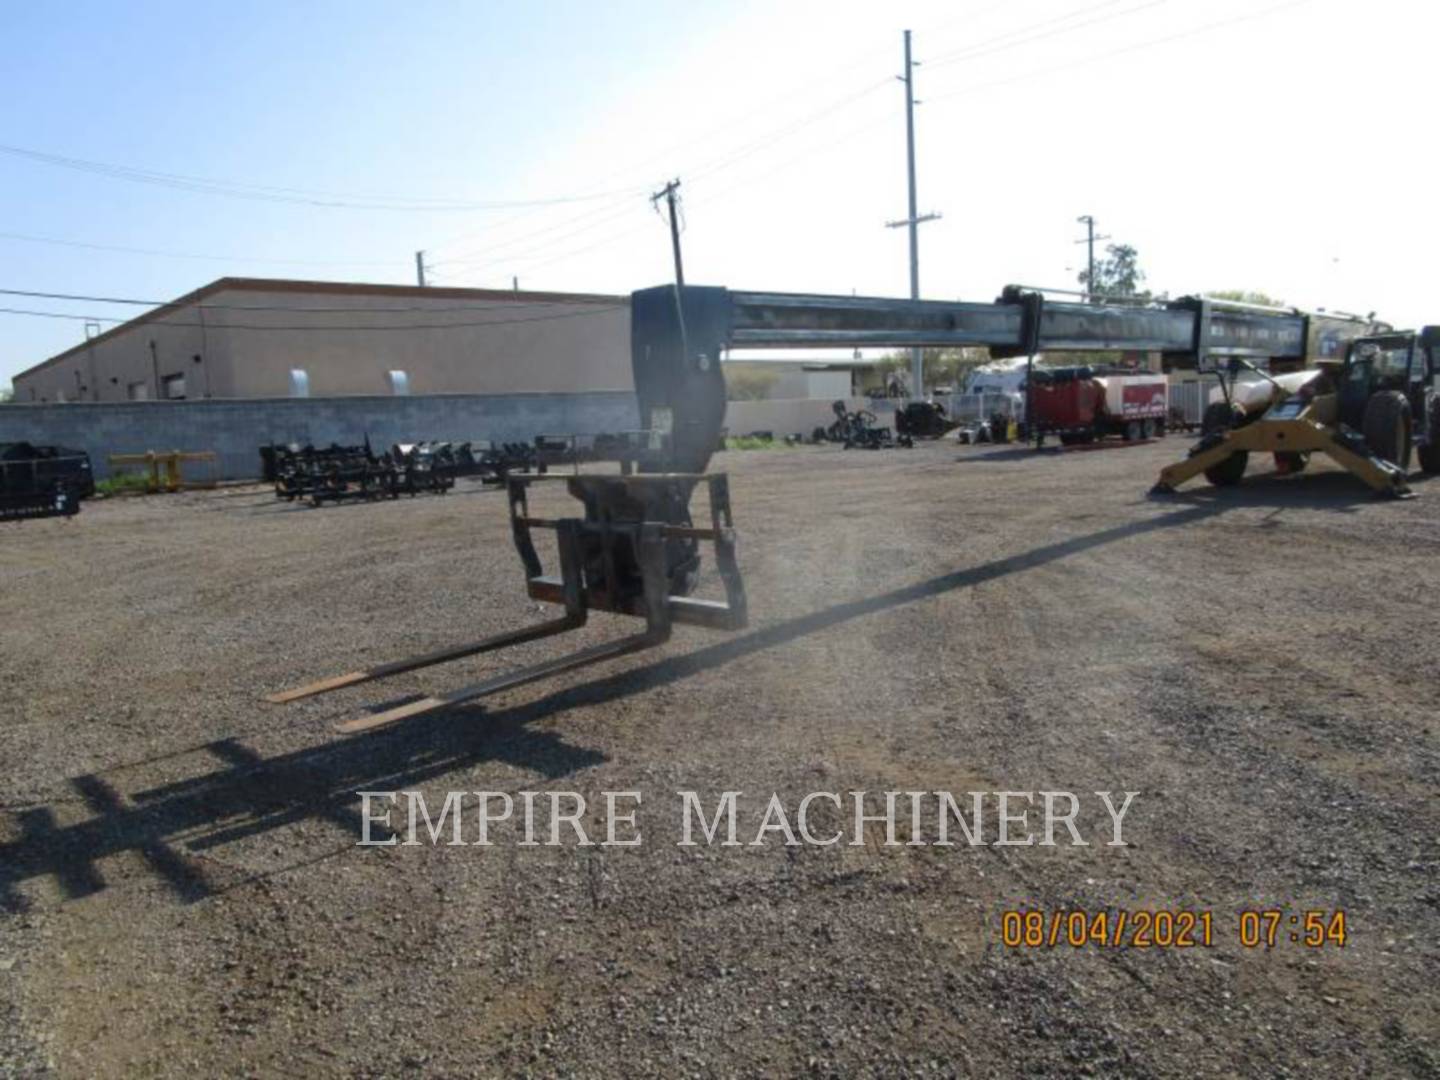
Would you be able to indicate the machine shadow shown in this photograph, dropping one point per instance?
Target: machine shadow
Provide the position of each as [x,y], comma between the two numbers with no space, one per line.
[250,795]
[1334,491]
[673,669]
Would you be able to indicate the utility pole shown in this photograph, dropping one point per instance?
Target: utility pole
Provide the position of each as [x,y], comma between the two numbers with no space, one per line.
[420,268]
[668,194]
[917,366]
[1089,222]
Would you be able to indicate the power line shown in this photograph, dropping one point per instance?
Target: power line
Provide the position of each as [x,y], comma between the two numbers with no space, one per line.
[716,165]
[27,238]
[1055,68]
[488,257]
[531,212]
[267,193]
[965,51]
[982,52]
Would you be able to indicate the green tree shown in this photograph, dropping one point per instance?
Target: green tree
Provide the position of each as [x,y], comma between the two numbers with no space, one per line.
[1246,296]
[7,396]
[749,384]
[1117,273]
[948,366]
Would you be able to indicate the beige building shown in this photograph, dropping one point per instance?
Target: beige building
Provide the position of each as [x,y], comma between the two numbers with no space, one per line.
[262,338]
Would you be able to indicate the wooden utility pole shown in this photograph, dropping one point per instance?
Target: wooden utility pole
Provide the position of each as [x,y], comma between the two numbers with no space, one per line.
[914,220]
[668,194]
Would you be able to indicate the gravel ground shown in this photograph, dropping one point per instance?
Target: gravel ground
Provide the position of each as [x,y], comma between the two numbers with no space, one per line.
[181,892]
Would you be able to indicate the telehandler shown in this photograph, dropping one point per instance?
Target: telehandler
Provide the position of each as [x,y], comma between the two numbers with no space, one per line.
[634,550]
[1368,411]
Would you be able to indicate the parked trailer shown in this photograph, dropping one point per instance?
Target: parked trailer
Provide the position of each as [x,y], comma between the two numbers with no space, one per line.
[1082,405]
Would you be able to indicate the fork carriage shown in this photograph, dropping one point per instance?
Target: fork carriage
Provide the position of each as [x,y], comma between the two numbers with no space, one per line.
[634,550]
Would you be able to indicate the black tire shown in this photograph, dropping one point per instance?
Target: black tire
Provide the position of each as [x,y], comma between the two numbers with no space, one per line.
[1387,427]
[1230,471]
[1220,416]
[1147,429]
[1430,452]
[1290,462]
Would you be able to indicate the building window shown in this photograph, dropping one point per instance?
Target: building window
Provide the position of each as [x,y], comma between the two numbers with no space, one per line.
[299,382]
[172,387]
[399,383]
[138,391]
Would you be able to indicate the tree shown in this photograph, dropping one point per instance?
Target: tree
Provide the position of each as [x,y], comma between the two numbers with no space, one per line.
[748,384]
[1117,273]
[943,366]
[1246,296]
[7,396]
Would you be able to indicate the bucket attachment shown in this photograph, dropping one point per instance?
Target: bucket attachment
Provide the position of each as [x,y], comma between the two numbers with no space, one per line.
[634,552]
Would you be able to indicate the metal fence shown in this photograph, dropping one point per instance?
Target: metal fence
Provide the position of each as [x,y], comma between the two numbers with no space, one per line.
[1188,400]
[970,408]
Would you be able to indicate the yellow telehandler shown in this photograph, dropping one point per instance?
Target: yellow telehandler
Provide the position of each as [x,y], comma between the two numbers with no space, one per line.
[1369,411]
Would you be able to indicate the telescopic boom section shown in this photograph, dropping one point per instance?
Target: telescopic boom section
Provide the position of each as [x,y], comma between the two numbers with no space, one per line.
[1021,322]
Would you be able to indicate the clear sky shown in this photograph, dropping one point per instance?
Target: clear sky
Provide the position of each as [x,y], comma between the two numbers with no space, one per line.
[1258,144]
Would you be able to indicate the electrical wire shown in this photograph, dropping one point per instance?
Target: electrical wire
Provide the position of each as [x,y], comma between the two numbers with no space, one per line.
[487,257]
[497,226]
[267,193]
[1048,34]
[966,50]
[1053,69]
[716,165]
[27,238]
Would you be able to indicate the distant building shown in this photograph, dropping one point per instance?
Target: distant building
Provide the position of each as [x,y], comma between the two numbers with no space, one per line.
[790,379]
[263,338]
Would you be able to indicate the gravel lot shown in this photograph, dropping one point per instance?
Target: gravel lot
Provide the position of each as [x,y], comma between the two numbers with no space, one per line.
[181,893]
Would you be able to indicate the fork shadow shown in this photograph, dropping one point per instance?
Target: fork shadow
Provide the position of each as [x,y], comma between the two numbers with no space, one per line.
[249,795]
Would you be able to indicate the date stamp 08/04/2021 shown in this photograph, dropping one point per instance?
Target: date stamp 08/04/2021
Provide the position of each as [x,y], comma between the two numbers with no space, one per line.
[1186,928]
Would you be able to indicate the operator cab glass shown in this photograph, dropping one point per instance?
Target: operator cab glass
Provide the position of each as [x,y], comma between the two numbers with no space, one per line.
[1385,362]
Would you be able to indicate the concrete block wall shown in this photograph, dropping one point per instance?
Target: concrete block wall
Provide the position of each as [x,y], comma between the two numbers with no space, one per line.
[236,428]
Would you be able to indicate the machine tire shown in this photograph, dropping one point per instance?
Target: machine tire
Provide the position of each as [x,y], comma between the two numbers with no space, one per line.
[1147,429]
[1387,428]
[1220,416]
[1290,462]
[1230,471]
[1430,453]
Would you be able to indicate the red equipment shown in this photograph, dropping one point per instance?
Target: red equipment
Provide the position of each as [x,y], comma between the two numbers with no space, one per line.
[1081,405]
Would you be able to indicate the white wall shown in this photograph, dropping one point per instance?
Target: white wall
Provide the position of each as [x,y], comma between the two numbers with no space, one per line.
[797,416]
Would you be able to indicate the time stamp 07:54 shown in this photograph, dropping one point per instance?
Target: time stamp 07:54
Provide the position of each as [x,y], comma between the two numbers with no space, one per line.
[1254,928]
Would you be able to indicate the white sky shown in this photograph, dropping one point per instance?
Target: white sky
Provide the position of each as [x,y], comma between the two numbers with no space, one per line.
[1284,150]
